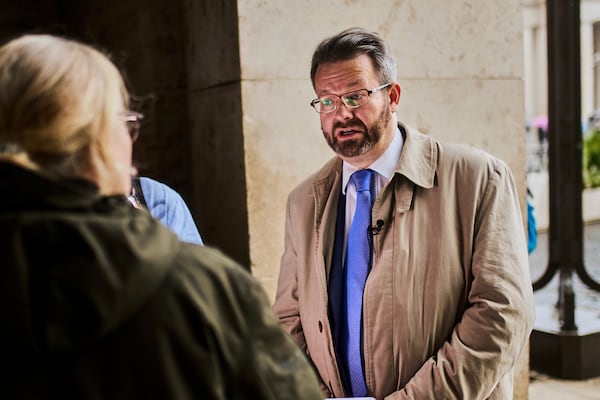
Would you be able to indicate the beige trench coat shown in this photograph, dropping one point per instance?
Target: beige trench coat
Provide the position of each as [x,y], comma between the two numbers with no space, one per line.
[448,304]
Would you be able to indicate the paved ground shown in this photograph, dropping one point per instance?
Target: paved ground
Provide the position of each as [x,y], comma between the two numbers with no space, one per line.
[542,387]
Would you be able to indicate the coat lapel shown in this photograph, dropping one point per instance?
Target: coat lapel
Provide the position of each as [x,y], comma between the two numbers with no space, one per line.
[326,197]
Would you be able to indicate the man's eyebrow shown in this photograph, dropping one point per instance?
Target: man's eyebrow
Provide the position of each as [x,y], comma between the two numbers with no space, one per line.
[356,84]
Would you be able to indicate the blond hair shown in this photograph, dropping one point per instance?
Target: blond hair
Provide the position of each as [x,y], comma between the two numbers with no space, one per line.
[58,98]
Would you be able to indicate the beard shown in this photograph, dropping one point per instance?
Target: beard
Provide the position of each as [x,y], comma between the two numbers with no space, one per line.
[361,145]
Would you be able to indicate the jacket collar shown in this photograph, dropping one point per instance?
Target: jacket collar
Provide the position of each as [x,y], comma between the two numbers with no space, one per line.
[418,161]
[32,189]
[91,260]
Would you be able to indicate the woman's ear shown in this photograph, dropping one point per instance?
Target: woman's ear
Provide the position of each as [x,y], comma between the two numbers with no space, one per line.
[91,165]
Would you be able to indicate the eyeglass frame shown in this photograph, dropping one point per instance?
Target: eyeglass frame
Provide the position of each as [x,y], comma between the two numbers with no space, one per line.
[133,120]
[316,101]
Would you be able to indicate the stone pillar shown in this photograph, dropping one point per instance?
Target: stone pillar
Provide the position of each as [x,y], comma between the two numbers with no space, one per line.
[216,111]
[542,67]
[146,41]
[529,71]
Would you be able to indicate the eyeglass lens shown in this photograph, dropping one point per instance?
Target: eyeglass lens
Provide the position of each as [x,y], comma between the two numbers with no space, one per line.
[354,99]
[133,121]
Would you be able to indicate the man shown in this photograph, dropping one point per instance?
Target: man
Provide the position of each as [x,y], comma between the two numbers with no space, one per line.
[431,297]
[166,205]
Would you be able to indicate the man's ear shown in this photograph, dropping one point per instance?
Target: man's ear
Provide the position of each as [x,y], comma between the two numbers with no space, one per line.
[394,95]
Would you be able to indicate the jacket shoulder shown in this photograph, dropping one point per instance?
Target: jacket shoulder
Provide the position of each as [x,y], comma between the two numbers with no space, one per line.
[326,174]
[211,270]
[467,159]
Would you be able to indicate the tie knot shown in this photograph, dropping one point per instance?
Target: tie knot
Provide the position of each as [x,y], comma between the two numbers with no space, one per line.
[362,180]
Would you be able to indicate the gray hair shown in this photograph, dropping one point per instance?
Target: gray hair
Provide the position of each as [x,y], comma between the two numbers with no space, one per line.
[352,43]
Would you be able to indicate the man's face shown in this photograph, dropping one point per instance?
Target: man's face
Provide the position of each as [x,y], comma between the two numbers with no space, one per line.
[357,135]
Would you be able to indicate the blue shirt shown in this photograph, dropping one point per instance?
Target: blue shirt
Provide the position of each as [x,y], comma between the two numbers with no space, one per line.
[166,205]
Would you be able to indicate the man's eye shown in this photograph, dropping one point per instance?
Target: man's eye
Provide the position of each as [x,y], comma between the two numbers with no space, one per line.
[353,99]
[326,101]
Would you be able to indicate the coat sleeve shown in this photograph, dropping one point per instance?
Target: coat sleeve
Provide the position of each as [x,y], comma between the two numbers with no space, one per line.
[239,346]
[277,368]
[287,302]
[286,307]
[494,328]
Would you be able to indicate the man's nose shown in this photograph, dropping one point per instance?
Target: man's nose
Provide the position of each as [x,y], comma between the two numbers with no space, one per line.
[343,111]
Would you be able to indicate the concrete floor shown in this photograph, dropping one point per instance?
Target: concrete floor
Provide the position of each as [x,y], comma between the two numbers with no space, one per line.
[542,387]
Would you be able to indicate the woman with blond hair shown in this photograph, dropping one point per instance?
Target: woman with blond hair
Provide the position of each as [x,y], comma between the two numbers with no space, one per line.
[99,300]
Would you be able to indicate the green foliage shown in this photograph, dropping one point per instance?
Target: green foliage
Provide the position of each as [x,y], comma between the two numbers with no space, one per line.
[591,159]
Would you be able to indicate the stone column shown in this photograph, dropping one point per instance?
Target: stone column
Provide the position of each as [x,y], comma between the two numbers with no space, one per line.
[542,68]
[529,71]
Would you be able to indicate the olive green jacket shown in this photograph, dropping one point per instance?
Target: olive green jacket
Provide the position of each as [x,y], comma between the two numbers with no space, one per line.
[100,301]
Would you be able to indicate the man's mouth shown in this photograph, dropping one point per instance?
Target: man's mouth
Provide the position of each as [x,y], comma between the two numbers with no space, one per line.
[348,132]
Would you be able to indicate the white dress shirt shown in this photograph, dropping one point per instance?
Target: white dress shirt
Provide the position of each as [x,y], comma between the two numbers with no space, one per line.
[384,167]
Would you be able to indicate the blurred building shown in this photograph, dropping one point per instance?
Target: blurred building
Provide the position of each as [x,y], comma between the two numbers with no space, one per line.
[536,62]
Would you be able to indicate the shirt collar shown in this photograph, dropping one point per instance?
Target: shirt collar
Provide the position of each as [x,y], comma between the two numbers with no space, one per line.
[384,165]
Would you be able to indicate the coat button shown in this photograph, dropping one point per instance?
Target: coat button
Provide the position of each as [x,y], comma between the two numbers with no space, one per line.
[320,326]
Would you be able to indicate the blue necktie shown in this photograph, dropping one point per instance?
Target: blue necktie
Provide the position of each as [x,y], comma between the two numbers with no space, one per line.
[358,257]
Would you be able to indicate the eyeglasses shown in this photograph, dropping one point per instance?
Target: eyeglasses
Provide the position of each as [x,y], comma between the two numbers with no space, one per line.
[134,121]
[358,98]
